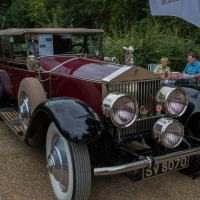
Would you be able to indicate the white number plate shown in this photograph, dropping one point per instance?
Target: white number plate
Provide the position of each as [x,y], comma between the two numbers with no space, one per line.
[165,167]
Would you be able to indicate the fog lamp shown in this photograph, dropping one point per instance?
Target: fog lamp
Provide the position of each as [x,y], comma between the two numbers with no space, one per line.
[174,100]
[168,132]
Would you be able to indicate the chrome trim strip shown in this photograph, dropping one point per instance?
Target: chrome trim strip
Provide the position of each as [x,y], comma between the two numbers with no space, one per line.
[152,117]
[145,162]
[104,91]
[118,72]
[79,78]
[50,85]
[25,64]
[76,58]
[115,74]
[61,55]
[100,61]
[57,74]
[59,65]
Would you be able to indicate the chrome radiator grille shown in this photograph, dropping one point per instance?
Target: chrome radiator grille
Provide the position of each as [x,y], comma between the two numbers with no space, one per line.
[140,90]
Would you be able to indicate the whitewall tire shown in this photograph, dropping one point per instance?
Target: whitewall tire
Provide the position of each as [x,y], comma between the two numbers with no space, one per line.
[68,166]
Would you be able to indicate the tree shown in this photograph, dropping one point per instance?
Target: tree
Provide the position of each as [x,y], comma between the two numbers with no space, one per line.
[100,13]
[5,4]
[32,13]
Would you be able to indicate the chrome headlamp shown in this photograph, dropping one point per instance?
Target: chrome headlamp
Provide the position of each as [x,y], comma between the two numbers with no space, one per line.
[168,132]
[174,100]
[122,109]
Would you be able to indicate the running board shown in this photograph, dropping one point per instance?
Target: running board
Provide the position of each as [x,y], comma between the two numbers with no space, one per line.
[11,118]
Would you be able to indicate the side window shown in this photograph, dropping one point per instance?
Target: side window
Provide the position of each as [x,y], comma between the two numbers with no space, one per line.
[93,43]
[18,47]
[33,45]
[5,46]
[58,45]
[77,44]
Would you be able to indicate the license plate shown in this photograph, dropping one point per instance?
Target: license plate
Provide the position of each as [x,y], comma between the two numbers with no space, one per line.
[166,167]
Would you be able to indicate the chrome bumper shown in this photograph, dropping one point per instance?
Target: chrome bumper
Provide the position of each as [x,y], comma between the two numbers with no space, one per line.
[146,162]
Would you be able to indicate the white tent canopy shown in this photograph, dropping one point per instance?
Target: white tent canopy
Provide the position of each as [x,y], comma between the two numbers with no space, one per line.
[186,9]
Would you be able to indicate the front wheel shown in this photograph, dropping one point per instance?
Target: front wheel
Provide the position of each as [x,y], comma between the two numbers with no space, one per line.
[30,94]
[68,166]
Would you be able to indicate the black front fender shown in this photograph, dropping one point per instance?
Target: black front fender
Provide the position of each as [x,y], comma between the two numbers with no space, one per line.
[193,93]
[75,120]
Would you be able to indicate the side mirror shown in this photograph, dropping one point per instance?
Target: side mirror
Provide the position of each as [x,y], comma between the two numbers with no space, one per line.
[33,63]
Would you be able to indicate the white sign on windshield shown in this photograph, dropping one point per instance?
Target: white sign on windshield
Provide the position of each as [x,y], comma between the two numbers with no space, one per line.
[45,43]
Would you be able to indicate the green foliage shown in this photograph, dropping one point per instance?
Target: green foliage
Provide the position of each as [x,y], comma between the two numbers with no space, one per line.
[78,14]
[41,16]
[31,13]
[99,13]
[3,22]
[151,42]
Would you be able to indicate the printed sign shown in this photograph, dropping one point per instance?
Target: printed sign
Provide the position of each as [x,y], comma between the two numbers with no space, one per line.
[45,42]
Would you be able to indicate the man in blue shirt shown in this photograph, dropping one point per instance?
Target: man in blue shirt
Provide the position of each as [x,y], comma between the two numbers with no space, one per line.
[192,70]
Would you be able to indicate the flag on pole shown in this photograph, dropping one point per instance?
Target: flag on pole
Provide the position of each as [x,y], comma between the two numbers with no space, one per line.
[186,9]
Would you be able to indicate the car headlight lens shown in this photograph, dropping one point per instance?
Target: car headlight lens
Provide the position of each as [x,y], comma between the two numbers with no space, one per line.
[175,100]
[168,132]
[122,109]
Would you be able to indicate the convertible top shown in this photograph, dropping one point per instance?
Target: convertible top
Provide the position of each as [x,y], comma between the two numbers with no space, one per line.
[17,31]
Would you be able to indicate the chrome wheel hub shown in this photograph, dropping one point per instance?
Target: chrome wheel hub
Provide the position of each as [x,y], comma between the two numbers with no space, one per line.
[57,163]
[24,111]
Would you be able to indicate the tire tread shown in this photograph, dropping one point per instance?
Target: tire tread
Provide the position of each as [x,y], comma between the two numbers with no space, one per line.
[83,171]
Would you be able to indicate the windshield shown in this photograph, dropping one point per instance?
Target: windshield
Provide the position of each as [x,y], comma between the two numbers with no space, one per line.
[50,44]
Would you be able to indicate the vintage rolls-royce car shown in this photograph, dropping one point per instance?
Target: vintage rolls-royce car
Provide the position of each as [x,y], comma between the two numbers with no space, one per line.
[94,117]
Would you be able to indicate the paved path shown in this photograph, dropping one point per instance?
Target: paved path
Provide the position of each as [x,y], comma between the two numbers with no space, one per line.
[23,175]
